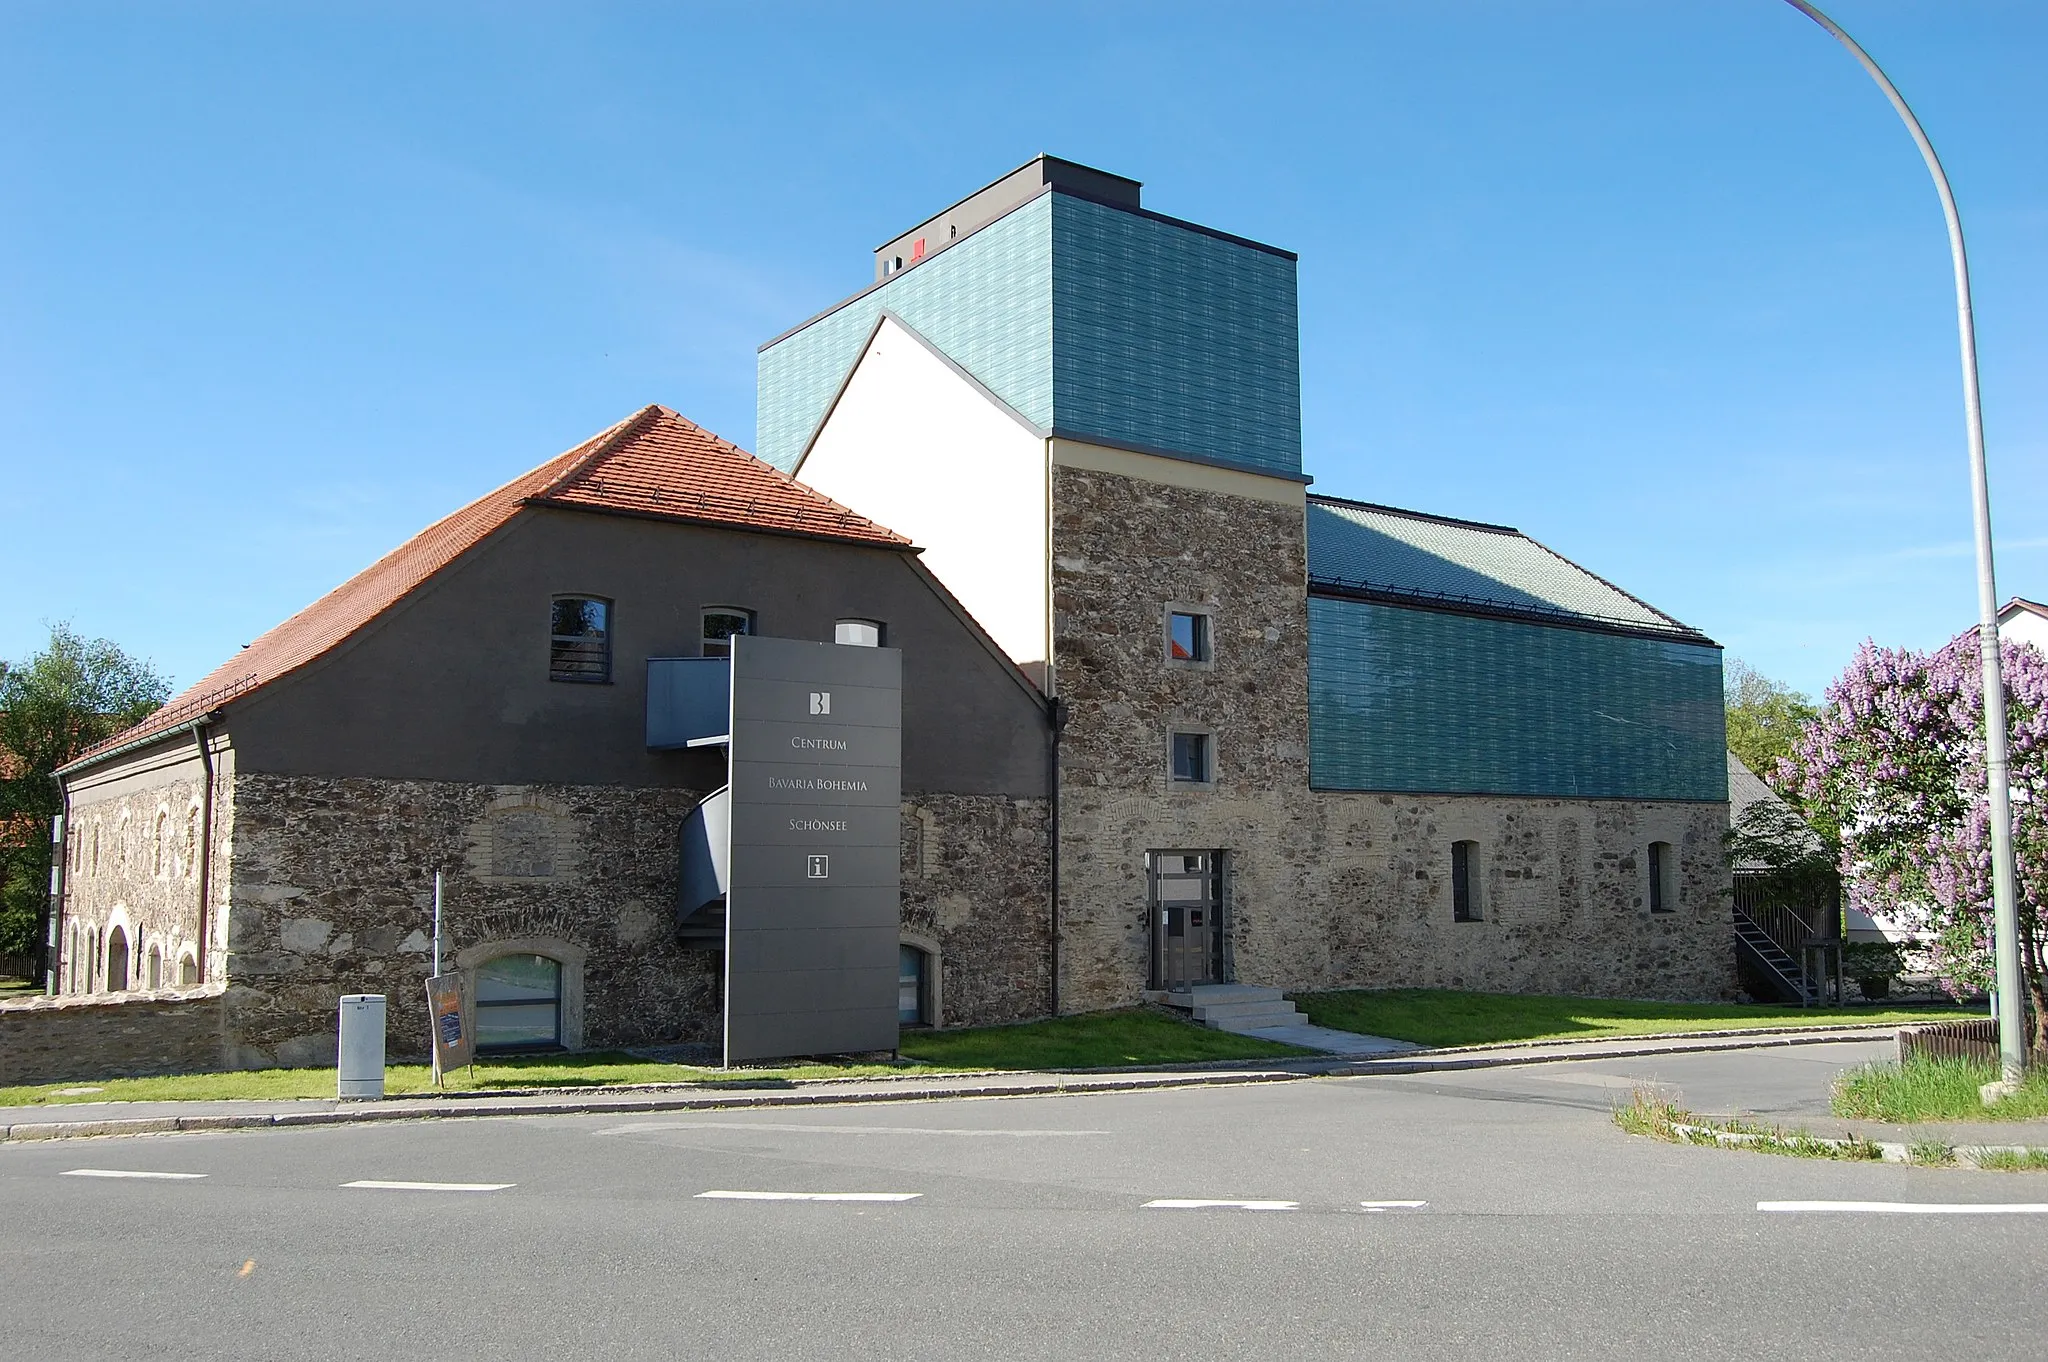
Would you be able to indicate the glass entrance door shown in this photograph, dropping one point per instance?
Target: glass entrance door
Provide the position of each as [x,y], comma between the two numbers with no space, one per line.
[1186,893]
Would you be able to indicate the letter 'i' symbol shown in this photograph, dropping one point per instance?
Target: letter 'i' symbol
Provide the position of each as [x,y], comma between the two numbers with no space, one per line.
[821,702]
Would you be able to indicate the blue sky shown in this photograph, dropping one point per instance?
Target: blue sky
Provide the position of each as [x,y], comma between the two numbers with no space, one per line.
[1662,284]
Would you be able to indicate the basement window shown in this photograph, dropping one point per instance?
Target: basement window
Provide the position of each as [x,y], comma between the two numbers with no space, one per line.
[580,640]
[518,1003]
[1467,874]
[913,987]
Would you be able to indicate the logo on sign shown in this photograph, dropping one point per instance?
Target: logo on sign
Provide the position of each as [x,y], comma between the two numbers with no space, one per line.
[821,867]
[821,702]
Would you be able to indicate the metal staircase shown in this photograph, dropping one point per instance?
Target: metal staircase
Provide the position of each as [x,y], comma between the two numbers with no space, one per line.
[1783,950]
[1773,962]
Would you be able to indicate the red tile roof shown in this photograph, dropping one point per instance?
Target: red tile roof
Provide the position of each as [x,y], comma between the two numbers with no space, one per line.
[654,463]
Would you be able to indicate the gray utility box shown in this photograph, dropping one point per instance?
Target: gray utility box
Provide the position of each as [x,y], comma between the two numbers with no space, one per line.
[360,1071]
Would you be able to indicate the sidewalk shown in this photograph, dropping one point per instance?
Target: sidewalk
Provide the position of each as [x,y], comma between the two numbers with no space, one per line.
[146,1118]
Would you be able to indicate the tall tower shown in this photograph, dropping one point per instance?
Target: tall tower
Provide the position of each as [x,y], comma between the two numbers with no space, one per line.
[1089,414]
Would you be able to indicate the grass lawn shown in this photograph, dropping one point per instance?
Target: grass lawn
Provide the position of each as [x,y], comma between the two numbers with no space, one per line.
[1096,1040]
[512,1071]
[18,988]
[1430,1016]
[1102,1039]
[1934,1090]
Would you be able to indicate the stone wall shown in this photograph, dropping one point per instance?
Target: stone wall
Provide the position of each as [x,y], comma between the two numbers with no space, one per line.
[132,865]
[333,887]
[1327,890]
[333,894]
[1124,549]
[81,1039]
[977,890]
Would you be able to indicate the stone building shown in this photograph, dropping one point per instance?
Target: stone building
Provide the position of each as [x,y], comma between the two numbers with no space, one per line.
[1170,719]
[1307,742]
[474,703]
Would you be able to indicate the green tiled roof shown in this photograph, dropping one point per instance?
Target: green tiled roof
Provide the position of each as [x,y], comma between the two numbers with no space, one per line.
[1386,553]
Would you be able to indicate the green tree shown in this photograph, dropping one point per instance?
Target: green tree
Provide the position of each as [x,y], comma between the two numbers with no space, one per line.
[1765,718]
[63,700]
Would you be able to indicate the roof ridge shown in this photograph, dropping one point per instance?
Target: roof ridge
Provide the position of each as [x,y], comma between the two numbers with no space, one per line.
[600,445]
[1416,515]
[588,472]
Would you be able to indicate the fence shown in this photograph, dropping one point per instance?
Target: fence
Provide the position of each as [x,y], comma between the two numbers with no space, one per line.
[17,967]
[1975,1041]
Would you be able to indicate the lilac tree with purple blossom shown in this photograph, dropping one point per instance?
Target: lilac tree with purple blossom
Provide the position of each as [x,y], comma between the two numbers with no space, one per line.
[1894,767]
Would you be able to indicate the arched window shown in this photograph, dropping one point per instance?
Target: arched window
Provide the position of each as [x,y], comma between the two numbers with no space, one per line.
[1663,878]
[117,961]
[858,633]
[188,970]
[155,973]
[723,623]
[159,843]
[518,1003]
[913,987]
[95,846]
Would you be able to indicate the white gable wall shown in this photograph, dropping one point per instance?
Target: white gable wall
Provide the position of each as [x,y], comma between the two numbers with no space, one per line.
[2017,624]
[916,445]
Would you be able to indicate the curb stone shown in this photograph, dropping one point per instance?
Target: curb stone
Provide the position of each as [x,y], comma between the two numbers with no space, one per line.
[828,1092]
[1893,1151]
[157,1125]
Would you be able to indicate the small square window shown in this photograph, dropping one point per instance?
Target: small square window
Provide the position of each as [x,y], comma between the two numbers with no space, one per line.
[721,624]
[1187,636]
[1191,759]
[858,633]
[580,640]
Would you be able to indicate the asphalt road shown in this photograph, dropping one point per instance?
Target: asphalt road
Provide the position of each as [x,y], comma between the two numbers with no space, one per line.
[1542,1232]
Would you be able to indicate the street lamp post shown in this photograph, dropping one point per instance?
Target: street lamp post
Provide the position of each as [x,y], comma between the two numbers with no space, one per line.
[2012,1044]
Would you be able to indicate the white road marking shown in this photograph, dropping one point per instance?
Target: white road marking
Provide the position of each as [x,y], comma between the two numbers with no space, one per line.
[1201,1204]
[810,1196]
[382,1186]
[1912,1207]
[1395,1205]
[791,1127]
[127,1173]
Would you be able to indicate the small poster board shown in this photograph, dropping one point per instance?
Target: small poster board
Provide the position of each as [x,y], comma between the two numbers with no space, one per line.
[454,1046]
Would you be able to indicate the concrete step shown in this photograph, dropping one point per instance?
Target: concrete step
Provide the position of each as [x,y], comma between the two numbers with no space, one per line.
[1238,1012]
[1206,994]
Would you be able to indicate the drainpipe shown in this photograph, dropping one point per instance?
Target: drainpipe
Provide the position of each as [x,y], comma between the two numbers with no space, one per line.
[1056,710]
[205,847]
[59,845]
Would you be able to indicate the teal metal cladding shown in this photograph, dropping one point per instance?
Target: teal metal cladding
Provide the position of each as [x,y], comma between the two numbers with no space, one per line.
[1103,324]
[985,302]
[1168,337]
[1430,702]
